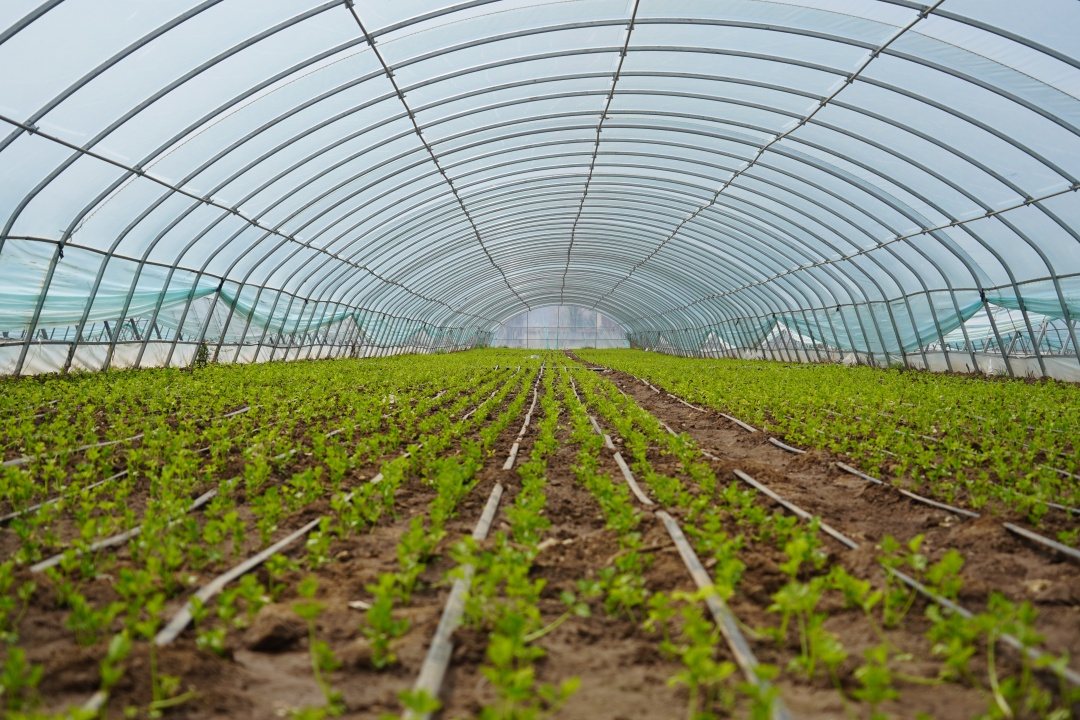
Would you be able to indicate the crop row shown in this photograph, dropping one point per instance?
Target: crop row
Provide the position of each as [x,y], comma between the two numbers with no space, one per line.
[275,461]
[962,439]
[256,459]
[816,583]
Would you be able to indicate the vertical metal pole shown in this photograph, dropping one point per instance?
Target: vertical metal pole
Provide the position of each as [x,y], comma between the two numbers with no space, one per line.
[205,324]
[997,335]
[281,329]
[36,317]
[266,328]
[1030,329]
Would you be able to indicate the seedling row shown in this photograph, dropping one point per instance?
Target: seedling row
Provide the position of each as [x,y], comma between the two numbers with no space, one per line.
[307,539]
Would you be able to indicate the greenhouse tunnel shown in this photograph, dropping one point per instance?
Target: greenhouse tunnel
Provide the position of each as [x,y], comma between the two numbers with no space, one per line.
[862,181]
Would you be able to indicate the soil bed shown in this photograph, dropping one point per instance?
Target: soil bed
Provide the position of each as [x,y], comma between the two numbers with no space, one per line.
[995,559]
[266,671]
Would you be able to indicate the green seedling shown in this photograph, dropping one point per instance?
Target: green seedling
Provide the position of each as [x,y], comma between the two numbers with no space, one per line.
[323,661]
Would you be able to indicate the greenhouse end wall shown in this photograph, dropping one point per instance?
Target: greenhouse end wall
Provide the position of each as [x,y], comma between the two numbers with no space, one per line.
[561,327]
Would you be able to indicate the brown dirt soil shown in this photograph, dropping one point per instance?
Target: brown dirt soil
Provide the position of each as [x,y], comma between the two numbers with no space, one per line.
[250,684]
[622,672]
[63,529]
[995,559]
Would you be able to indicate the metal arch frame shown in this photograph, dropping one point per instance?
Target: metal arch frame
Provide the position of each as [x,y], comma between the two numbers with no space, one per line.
[779,137]
[989,248]
[596,144]
[849,220]
[624,233]
[900,208]
[515,311]
[881,266]
[427,145]
[946,278]
[985,207]
[608,234]
[646,201]
[772,231]
[63,241]
[510,308]
[616,313]
[853,281]
[137,169]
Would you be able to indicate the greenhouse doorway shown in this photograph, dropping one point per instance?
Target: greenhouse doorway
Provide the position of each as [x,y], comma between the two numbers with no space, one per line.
[561,326]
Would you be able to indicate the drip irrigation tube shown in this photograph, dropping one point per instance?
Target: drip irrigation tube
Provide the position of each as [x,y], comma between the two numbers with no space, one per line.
[433,671]
[907,493]
[936,441]
[1015,529]
[469,414]
[573,385]
[119,539]
[745,426]
[1067,508]
[37,409]
[607,438]
[379,476]
[293,451]
[740,423]
[15,462]
[1036,537]
[58,498]
[725,620]
[798,511]
[790,449]
[1035,655]
[722,615]
[183,617]
[634,487]
[509,464]
[629,476]
[30,458]
[692,407]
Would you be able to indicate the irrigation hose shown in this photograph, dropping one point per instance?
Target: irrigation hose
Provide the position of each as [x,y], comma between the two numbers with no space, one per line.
[1011,527]
[790,449]
[722,615]
[183,617]
[58,498]
[629,476]
[509,464]
[437,660]
[120,538]
[109,443]
[1066,673]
